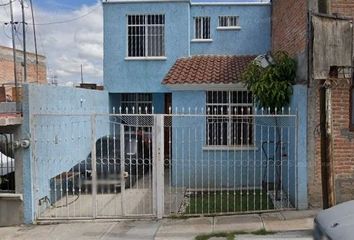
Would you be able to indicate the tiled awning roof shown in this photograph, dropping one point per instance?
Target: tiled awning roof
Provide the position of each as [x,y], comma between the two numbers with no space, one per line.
[208,69]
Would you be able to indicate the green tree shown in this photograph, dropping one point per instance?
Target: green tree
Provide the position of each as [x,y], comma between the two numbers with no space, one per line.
[272,86]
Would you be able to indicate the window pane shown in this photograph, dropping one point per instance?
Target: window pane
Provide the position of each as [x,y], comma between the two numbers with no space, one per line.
[217,131]
[228,21]
[136,41]
[202,27]
[225,123]
[146,35]
[198,28]
[206,28]
[242,131]
[156,40]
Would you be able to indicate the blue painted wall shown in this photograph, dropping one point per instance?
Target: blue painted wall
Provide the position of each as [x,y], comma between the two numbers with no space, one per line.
[253,38]
[121,75]
[299,102]
[58,142]
[196,166]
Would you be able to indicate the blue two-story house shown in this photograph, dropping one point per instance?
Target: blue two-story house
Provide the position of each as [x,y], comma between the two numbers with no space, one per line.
[144,39]
[186,55]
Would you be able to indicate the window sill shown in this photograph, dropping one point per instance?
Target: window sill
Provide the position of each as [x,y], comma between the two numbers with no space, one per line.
[145,58]
[11,196]
[229,28]
[230,148]
[202,40]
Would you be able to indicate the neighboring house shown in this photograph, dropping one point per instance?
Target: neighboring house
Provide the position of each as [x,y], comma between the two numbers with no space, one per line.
[7,79]
[323,42]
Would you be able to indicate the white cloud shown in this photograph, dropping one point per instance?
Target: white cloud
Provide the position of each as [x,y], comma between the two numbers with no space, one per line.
[66,45]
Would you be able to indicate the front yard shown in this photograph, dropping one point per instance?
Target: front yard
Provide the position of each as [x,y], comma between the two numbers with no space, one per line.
[227,201]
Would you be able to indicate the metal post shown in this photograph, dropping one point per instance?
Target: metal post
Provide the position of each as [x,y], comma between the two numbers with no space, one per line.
[122,167]
[158,164]
[14,54]
[24,42]
[93,166]
[324,145]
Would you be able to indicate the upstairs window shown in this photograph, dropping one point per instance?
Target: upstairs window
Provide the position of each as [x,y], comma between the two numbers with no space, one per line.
[202,28]
[229,118]
[228,21]
[146,35]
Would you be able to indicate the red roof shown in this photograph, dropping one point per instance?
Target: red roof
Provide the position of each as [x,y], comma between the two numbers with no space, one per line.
[208,69]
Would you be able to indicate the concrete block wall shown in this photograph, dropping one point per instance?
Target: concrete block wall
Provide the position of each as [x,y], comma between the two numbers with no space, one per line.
[7,66]
[343,143]
[343,7]
[45,99]
[289,26]
[343,138]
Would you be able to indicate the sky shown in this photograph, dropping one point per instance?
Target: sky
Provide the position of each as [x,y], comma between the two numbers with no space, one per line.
[66,45]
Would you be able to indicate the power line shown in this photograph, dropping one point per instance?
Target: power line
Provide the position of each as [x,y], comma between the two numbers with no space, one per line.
[6,4]
[69,20]
[60,22]
[64,21]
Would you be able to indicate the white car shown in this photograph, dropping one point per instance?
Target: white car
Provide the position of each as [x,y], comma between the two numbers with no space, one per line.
[335,223]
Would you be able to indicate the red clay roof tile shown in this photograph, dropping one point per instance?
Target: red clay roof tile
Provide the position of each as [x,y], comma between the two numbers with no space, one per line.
[208,69]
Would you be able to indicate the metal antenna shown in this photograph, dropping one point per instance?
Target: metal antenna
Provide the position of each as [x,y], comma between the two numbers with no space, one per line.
[82,76]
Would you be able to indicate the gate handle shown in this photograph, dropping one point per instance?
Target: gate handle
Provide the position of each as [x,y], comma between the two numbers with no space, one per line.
[125,174]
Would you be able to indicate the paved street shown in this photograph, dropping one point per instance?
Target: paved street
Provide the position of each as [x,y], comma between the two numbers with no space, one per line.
[288,225]
[130,230]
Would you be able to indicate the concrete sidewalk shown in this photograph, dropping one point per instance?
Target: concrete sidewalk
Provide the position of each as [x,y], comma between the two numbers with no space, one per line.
[171,229]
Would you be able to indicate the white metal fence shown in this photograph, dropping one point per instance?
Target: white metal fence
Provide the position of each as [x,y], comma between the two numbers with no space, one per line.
[156,165]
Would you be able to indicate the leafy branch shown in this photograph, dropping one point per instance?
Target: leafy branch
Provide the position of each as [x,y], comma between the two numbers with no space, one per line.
[272,86]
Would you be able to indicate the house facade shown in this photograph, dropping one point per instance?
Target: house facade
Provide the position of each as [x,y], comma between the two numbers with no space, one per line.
[330,145]
[185,57]
[143,40]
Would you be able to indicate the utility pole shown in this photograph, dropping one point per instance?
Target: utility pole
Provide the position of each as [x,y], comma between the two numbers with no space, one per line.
[325,141]
[24,42]
[14,51]
[35,40]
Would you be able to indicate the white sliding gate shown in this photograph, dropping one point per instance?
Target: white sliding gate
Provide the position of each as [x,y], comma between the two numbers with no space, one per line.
[156,165]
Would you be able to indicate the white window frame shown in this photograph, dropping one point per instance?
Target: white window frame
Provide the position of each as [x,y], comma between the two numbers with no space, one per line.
[203,20]
[229,23]
[247,110]
[146,36]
